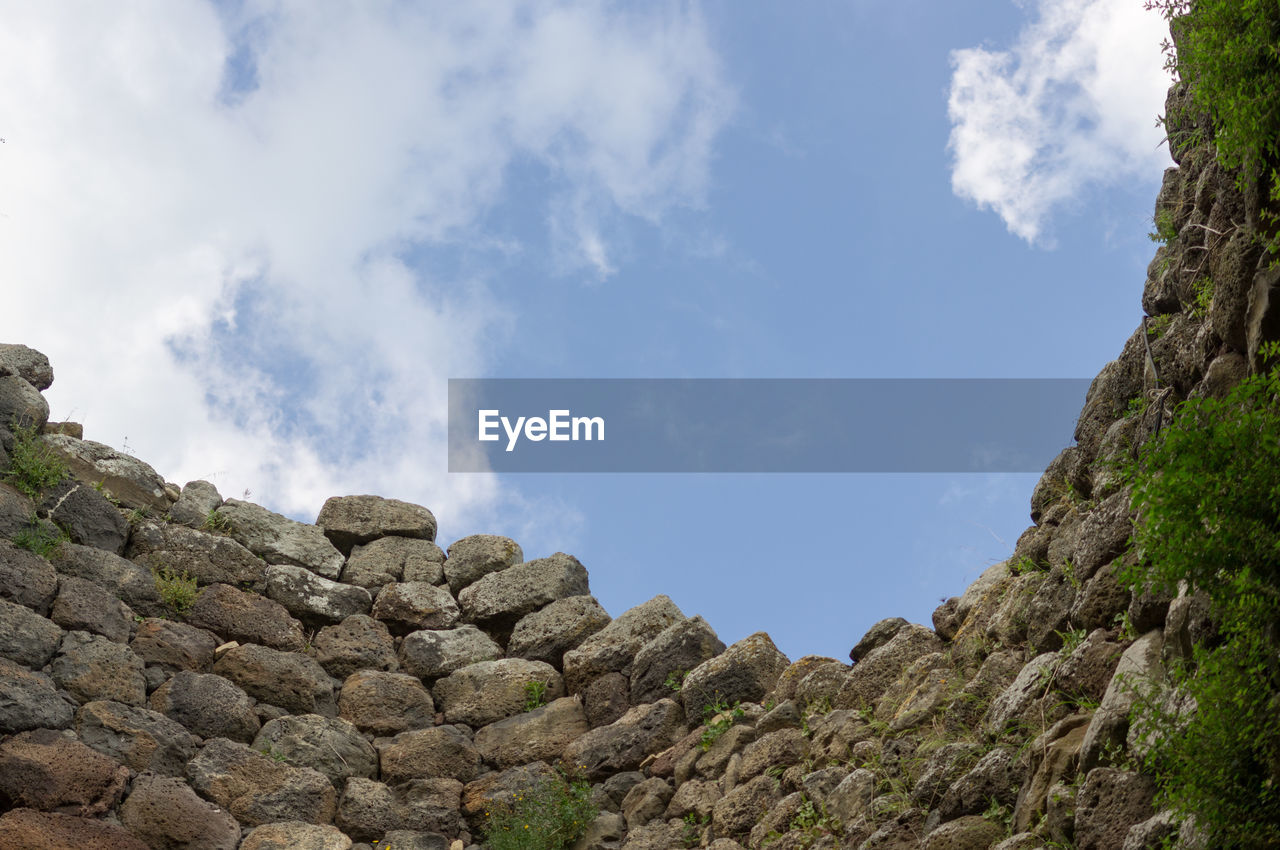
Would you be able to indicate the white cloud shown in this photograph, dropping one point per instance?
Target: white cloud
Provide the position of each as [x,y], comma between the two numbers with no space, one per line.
[1071,105]
[218,274]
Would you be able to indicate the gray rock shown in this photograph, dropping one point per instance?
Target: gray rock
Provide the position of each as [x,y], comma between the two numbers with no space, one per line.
[995,777]
[349,521]
[800,669]
[622,745]
[547,634]
[257,789]
[235,615]
[880,667]
[357,643]
[878,635]
[91,667]
[139,738]
[431,654]
[488,691]
[21,404]
[1104,535]
[280,540]
[1262,322]
[394,559]
[26,637]
[198,500]
[327,744]
[26,579]
[369,811]
[16,509]
[474,557]
[440,751]
[130,481]
[613,648]
[694,797]
[296,683]
[538,735]
[27,363]
[382,703]
[646,802]
[134,584]
[1139,672]
[944,766]
[412,840]
[1109,804]
[1014,701]
[29,700]
[744,672]
[174,646]
[655,836]
[496,788]
[604,833]
[498,600]
[313,599]
[741,808]
[1054,756]
[606,699]
[85,606]
[207,705]
[414,605]
[676,650]
[165,812]
[291,834]
[782,748]
[85,515]
[210,558]
[1152,832]
[972,832]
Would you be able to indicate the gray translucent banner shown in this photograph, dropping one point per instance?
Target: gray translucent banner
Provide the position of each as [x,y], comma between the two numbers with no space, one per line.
[760,425]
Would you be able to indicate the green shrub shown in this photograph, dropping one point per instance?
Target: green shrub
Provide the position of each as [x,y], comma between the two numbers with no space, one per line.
[33,466]
[1207,494]
[216,522]
[718,719]
[39,538]
[549,816]
[177,590]
[535,695]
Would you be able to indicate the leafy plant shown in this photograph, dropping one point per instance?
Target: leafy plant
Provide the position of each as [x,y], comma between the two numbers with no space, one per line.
[1166,232]
[39,538]
[1157,326]
[549,816]
[535,695]
[1207,495]
[177,590]
[33,465]
[216,522]
[675,680]
[718,718]
[1203,297]
[694,826]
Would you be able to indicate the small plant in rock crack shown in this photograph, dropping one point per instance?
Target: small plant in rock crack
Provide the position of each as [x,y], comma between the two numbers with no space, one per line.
[33,466]
[694,826]
[718,718]
[42,538]
[675,680]
[535,695]
[177,590]
[216,522]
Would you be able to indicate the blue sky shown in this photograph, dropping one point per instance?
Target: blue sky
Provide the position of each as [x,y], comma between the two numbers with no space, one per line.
[256,239]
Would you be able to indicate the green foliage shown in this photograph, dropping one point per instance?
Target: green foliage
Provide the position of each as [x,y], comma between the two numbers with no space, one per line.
[535,695]
[216,522]
[694,826]
[718,719]
[1165,232]
[1071,639]
[1157,326]
[177,590]
[33,466]
[675,680]
[1208,497]
[550,816]
[1203,297]
[1022,566]
[137,515]
[40,538]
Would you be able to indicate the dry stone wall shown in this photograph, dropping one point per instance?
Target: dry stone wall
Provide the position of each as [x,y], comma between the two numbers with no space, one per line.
[350,683]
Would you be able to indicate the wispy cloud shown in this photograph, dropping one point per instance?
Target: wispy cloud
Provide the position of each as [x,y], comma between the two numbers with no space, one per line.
[219,224]
[1072,104]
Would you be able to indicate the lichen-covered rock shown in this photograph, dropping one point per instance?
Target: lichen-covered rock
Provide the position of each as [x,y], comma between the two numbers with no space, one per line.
[1109,804]
[430,654]
[547,634]
[208,558]
[84,606]
[29,700]
[207,705]
[744,672]
[139,738]
[313,599]
[257,789]
[165,812]
[972,832]
[664,660]
[357,643]
[383,703]
[296,683]
[197,500]
[91,667]
[280,540]
[26,363]
[613,648]
[538,735]
[622,745]
[923,689]
[394,559]
[349,521]
[369,810]
[498,600]
[130,481]
[174,646]
[499,788]
[27,829]
[85,516]
[26,579]
[488,691]
[995,778]
[800,669]
[25,637]
[298,835]
[1139,671]
[440,751]
[330,745]
[410,606]
[646,801]
[1055,757]
[1013,701]
[474,557]
[780,749]
[877,670]
[52,771]
[654,836]
[247,617]
[878,635]
[744,806]
[134,584]
[21,404]
[944,766]
[606,699]
[834,734]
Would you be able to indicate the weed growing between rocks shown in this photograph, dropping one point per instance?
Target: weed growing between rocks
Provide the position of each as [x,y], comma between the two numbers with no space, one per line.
[39,538]
[177,590]
[549,816]
[719,718]
[33,466]
[535,695]
[216,522]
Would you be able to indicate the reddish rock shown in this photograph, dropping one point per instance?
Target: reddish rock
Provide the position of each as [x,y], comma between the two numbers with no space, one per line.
[165,812]
[52,771]
[25,829]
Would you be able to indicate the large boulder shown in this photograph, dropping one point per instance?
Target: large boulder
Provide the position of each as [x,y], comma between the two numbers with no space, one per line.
[383,703]
[313,599]
[26,637]
[675,651]
[432,654]
[372,811]
[498,600]
[357,643]
[873,673]
[133,583]
[439,751]
[350,521]
[85,516]
[91,667]
[538,735]
[21,404]
[622,745]
[26,579]
[174,646]
[487,691]
[298,834]
[208,558]
[53,771]
[1110,803]
[1139,673]
[27,829]
[740,809]
[391,559]
[413,605]
[198,500]
[296,683]
[236,615]
[85,606]
[328,744]
[474,557]
[26,363]
[165,812]
[128,480]
[744,672]
[257,789]
[280,540]
[547,634]
[29,700]
[207,705]
[139,738]
[613,648]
